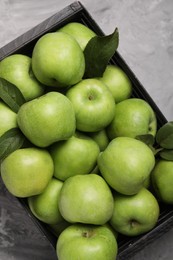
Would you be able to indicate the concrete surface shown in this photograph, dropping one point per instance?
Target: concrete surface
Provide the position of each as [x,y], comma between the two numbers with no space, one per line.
[146,43]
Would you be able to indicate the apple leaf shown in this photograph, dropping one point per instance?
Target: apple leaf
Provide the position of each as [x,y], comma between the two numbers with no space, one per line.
[98,53]
[11,95]
[166,154]
[164,136]
[147,139]
[10,141]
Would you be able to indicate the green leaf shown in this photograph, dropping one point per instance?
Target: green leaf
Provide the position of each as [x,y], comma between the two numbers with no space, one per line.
[166,154]
[10,141]
[164,136]
[147,139]
[98,53]
[11,95]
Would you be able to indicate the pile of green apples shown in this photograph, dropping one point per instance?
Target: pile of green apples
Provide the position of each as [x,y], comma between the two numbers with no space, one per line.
[74,142]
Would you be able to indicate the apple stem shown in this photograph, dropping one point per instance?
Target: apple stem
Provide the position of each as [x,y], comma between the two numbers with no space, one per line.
[133,223]
[87,234]
[90,97]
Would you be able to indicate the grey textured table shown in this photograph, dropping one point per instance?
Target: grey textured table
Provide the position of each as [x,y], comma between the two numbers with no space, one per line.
[146,43]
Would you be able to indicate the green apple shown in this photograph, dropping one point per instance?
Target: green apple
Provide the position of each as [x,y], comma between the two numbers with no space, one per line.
[135,215]
[93,104]
[133,117]
[125,164]
[47,119]
[147,182]
[162,180]
[108,225]
[100,138]
[58,60]
[118,83]
[77,155]
[80,241]
[44,206]
[80,32]
[86,199]
[26,172]
[8,119]
[16,69]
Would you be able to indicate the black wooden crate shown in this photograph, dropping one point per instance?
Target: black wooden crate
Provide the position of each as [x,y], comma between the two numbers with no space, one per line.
[24,44]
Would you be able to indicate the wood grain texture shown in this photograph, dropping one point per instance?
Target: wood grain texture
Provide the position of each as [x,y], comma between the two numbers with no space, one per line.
[146,43]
